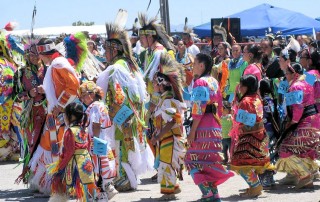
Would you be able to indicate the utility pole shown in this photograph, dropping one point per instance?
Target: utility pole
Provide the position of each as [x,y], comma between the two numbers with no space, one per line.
[164,12]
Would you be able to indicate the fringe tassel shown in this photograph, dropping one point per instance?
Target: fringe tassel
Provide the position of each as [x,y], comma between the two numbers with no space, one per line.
[224,77]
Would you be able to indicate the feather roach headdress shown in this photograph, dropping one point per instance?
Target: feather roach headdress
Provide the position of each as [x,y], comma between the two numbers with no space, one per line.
[171,73]
[187,30]
[219,30]
[76,49]
[118,38]
[151,27]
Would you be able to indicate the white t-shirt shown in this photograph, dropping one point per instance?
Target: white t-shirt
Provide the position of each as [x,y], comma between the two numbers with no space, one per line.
[193,50]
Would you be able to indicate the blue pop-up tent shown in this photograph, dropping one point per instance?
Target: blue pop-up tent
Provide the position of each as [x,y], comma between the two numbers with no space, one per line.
[255,21]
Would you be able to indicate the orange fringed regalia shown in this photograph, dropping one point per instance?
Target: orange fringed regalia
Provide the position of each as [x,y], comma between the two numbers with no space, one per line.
[224,77]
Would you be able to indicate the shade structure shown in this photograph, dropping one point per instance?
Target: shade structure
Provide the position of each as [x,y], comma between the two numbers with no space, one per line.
[257,20]
[54,31]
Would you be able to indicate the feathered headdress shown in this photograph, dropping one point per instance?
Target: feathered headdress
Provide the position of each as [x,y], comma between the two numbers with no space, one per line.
[171,73]
[219,30]
[293,48]
[134,29]
[76,49]
[118,38]
[188,30]
[151,27]
[17,50]
[30,45]
[293,45]
[92,66]
[270,36]
[121,18]
[14,45]
[147,25]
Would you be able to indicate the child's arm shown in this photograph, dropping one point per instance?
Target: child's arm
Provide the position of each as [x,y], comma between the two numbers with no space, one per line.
[193,129]
[68,151]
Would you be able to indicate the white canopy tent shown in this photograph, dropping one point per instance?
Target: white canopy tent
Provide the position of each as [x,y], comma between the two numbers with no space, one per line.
[55,31]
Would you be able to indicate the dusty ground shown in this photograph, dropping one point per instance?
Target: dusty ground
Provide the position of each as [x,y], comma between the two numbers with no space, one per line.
[150,191]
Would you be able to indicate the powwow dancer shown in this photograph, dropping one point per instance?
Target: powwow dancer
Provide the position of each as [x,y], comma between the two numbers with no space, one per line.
[155,39]
[272,129]
[99,125]
[299,144]
[125,93]
[9,111]
[203,160]
[33,116]
[236,68]
[187,38]
[73,172]
[169,135]
[251,154]
[60,86]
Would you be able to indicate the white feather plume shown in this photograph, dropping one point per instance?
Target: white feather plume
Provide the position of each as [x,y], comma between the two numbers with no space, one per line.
[293,45]
[92,66]
[121,18]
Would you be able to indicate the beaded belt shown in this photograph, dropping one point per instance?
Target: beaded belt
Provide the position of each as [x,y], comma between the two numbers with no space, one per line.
[309,111]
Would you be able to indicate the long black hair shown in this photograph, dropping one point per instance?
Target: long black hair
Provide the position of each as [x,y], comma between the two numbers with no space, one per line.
[207,61]
[295,67]
[77,110]
[265,88]
[315,57]
[251,82]
[255,50]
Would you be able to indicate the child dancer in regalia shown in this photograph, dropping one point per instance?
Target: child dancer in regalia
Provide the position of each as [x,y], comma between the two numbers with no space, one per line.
[203,158]
[99,125]
[73,172]
[168,118]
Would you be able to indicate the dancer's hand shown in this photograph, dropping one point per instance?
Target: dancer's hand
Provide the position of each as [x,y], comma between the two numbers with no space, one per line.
[22,176]
[154,140]
[56,110]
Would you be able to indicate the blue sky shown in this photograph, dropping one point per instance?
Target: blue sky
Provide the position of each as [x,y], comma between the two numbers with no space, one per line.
[64,12]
